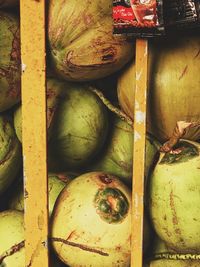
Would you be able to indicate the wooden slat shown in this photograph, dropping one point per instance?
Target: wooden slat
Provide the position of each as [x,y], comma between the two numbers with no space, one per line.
[139,153]
[32,16]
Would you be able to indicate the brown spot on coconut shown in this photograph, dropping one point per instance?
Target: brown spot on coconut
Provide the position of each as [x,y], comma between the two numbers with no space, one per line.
[163,256]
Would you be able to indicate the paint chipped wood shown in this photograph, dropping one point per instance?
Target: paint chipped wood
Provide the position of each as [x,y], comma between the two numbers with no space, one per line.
[139,153]
[32,15]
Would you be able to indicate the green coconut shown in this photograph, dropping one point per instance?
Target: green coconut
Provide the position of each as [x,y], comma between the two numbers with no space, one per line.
[56,182]
[12,251]
[80,127]
[10,153]
[81,40]
[9,61]
[166,257]
[174,197]
[91,223]
[117,157]
[53,94]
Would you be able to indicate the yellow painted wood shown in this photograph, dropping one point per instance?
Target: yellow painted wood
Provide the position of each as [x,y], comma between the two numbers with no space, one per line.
[139,153]
[32,15]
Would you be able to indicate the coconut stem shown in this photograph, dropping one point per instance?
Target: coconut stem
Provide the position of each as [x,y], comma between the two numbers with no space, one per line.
[111,107]
[12,250]
[175,256]
[178,133]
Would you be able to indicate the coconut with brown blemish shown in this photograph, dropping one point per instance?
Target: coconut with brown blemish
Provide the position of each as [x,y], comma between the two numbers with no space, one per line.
[91,224]
[10,61]
[174,197]
[82,44]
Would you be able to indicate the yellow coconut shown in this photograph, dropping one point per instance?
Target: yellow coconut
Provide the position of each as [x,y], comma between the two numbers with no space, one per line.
[91,223]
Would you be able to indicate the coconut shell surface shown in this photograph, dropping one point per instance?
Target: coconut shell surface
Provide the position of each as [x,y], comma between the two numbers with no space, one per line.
[12,236]
[9,61]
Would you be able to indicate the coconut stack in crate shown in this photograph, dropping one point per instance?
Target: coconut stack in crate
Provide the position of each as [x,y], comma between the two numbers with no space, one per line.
[91,137]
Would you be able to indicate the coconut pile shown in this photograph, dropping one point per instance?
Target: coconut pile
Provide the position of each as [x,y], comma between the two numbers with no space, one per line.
[90,112]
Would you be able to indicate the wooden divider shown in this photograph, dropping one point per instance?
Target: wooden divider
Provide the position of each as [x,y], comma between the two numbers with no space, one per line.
[32,16]
[139,152]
